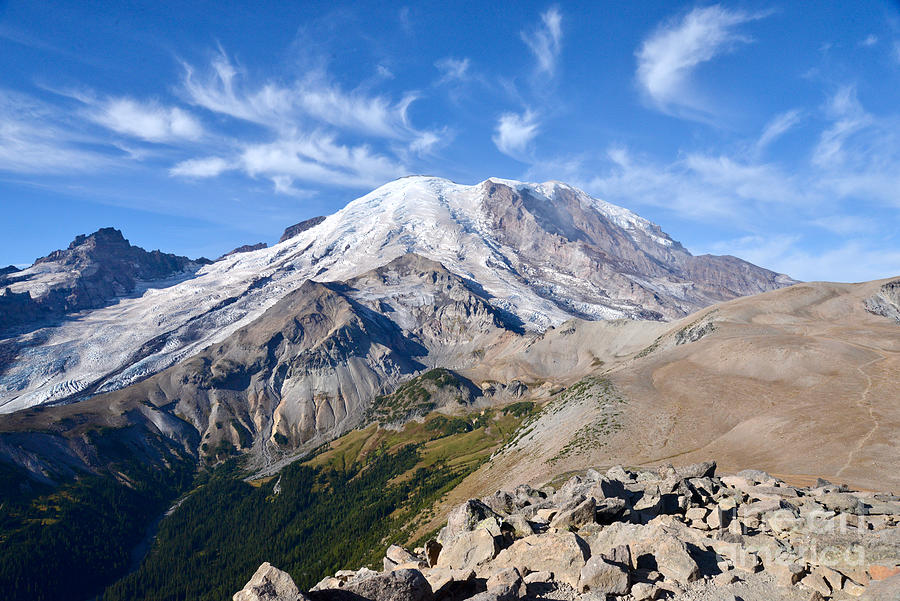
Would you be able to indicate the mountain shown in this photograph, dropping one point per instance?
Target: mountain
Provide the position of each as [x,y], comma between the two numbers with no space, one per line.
[244,248]
[93,270]
[299,228]
[538,254]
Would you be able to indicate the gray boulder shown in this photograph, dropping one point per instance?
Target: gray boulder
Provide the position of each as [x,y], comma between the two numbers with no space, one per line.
[603,577]
[270,584]
[399,585]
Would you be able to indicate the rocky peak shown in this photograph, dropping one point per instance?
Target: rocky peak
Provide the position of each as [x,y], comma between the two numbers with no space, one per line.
[299,228]
[93,269]
[246,248]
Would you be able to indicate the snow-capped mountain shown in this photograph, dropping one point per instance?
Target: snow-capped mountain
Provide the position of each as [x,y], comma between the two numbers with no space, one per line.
[539,253]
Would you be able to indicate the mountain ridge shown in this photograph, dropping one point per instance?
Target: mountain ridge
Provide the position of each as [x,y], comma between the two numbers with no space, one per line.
[543,253]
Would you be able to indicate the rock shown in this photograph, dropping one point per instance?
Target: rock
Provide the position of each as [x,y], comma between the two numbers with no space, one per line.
[705,469]
[642,591]
[399,585]
[879,572]
[447,583]
[398,555]
[464,519]
[758,508]
[815,582]
[601,576]
[786,574]
[618,473]
[507,584]
[542,576]
[853,589]
[725,578]
[620,555]
[756,476]
[467,550]
[883,590]
[674,561]
[842,502]
[609,509]
[834,578]
[501,502]
[270,584]
[562,553]
[519,525]
[432,551]
[298,228]
[574,518]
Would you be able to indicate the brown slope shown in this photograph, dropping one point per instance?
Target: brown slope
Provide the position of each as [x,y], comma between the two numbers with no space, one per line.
[802,382]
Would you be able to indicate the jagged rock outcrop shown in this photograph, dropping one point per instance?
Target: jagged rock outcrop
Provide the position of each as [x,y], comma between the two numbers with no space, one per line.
[886,302]
[299,228]
[682,534]
[246,248]
[92,270]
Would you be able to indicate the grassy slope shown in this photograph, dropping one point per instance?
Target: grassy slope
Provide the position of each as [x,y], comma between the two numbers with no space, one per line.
[340,509]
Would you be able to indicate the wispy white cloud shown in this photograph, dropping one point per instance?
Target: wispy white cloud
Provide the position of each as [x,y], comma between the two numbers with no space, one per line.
[318,158]
[148,121]
[854,260]
[669,55]
[776,128]
[313,99]
[201,168]
[515,132]
[869,41]
[545,41]
[848,118]
[37,138]
[452,69]
[696,186]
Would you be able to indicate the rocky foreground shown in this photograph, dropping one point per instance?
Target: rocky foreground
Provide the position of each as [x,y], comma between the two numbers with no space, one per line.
[673,533]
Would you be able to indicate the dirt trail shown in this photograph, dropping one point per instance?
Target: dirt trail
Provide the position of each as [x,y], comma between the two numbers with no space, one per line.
[863,402]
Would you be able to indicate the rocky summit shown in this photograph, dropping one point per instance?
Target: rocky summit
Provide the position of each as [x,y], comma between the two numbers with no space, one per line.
[669,533]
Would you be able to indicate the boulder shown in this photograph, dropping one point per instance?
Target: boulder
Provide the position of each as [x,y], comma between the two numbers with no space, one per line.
[579,515]
[465,518]
[399,585]
[270,584]
[519,525]
[450,584]
[467,550]
[562,553]
[501,502]
[605,577]
[674,561]
[507,584]
[705,469]
[815,582]
[398,555]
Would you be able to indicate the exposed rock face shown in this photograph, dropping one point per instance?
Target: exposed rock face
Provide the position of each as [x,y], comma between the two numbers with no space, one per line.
[86,275]
[246,248]
[887,302]
[299,228]
[664,553]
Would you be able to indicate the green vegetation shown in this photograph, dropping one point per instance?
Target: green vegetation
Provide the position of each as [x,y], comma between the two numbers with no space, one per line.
[69,541]
[415,397]
[340,509]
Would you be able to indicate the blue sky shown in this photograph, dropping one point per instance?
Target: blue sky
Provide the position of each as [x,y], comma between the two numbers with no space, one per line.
[766,130]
